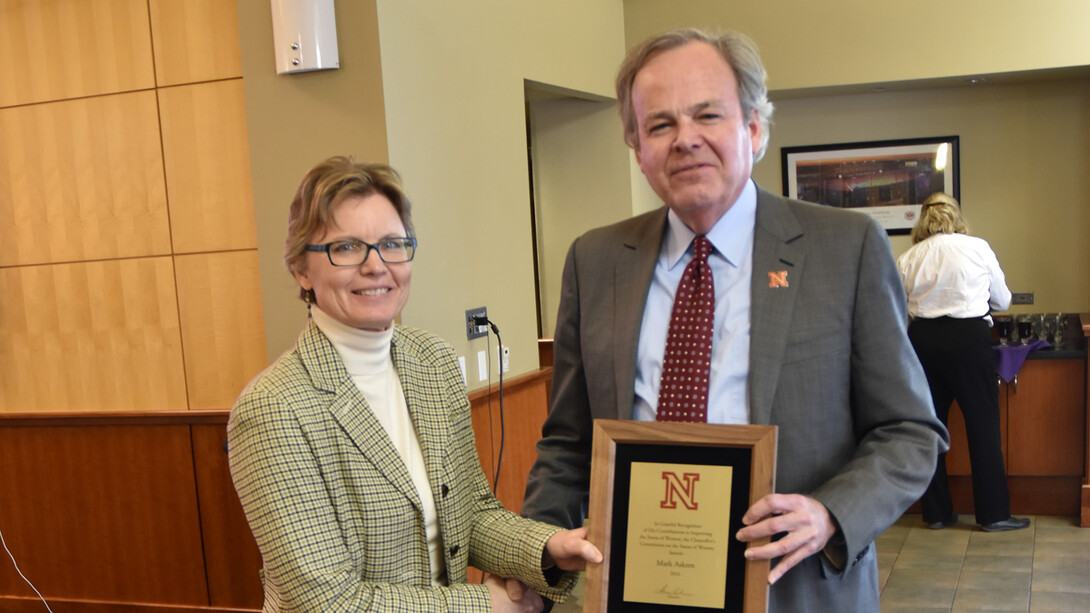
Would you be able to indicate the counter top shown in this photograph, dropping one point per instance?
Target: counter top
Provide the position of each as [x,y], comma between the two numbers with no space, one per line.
[1057,354]
[1009,359]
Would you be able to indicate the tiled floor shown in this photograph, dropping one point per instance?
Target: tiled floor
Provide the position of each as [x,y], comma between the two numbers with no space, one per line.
[1042,569]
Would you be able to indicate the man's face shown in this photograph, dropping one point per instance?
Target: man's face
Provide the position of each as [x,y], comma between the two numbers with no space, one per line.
[695,147]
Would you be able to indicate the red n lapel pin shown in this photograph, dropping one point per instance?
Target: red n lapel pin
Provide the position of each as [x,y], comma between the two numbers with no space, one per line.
[777,278]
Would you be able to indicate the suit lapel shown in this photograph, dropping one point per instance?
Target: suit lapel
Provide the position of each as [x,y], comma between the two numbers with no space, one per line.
[778,266]
[425,399]
[635,265]
[350,410]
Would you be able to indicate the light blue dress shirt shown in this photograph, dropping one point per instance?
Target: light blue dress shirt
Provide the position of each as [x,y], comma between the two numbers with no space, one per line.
[732,269]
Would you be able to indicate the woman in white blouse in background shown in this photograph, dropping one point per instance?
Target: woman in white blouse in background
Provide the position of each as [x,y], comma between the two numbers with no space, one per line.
[952,281]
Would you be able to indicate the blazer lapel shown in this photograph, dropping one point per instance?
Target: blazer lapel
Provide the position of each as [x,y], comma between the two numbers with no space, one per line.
[425,399]
[349,408]
[635,265]
[777,270]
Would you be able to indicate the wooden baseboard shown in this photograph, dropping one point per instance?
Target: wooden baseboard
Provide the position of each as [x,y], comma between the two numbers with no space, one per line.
[13,604]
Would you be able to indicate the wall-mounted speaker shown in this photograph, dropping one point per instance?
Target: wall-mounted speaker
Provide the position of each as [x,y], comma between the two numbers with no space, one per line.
[304,35]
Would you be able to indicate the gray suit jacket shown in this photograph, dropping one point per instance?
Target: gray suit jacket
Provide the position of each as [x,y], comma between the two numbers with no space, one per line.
[830,364]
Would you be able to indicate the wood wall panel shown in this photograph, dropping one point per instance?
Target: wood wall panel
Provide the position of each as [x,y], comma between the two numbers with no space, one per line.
[1029,496]
[111,511]
[1047,420]
[231,556]
[1084,521]
[102,513]
[481,418]
[525,406]
[223,330]
[523,418]
[1042,423]
[97,336]
[207,160]
[195,40]
[82,180]
[60,49]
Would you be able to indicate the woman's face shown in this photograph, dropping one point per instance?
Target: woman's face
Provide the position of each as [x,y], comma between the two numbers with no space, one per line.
[370,295]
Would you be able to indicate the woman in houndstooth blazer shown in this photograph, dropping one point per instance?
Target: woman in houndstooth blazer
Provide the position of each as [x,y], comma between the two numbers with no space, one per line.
[353,454]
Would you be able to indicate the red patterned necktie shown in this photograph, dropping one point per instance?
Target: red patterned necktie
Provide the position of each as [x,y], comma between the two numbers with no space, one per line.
[683,393]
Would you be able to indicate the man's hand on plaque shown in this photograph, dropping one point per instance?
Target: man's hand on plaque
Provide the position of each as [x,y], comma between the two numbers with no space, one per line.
[805,521]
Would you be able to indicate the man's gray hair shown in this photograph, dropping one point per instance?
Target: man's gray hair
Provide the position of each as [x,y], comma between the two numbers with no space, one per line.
[737,50]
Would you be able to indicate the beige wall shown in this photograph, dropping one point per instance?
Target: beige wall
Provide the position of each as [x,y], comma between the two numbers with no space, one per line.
[444,104]
[296,121]
[453,75]
[581,176]
[842,42]
[1024,142]
[1025,148]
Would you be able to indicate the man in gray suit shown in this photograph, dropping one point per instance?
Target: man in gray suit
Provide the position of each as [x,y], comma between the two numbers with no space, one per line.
[809,329]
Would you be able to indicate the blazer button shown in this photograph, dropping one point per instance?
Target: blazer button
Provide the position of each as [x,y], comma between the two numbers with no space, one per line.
[454,550]
[446,490]
[861,554]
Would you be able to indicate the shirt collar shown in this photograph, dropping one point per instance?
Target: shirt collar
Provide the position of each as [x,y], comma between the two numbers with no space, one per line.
[731,235]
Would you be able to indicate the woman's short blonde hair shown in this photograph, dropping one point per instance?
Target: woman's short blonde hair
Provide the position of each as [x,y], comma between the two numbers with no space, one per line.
[940,214]
[327,185]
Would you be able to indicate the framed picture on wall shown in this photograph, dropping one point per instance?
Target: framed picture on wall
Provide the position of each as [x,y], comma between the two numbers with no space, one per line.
[887,180]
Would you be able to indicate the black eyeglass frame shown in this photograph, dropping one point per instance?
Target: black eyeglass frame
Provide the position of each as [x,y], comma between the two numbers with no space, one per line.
[329,254]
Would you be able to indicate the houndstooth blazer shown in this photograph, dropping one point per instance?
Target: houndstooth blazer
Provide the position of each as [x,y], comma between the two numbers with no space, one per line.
[332,506]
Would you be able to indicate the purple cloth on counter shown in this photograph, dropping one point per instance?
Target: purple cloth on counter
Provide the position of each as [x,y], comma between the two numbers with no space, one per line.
[1009,359]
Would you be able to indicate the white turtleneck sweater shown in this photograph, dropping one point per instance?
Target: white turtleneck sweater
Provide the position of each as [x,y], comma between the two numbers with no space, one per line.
[366,356]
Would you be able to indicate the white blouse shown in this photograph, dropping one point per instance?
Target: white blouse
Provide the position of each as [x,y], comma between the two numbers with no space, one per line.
[953,275]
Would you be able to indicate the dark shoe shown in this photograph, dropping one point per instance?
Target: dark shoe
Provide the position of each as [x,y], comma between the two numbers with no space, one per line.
[946,523]
[1011,523]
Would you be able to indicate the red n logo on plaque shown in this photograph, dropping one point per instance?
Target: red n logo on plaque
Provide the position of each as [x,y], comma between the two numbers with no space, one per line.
[680,488]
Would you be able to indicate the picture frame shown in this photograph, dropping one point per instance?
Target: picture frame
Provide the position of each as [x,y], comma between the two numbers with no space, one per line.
[886,179]
[666,499]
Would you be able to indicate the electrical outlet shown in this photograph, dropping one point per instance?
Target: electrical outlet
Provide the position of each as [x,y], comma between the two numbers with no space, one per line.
[462,365]
[474,331]
[1022,298]
[482,366]
[504,358]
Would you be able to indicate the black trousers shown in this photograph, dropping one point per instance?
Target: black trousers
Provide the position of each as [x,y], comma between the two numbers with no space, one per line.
[959,363]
